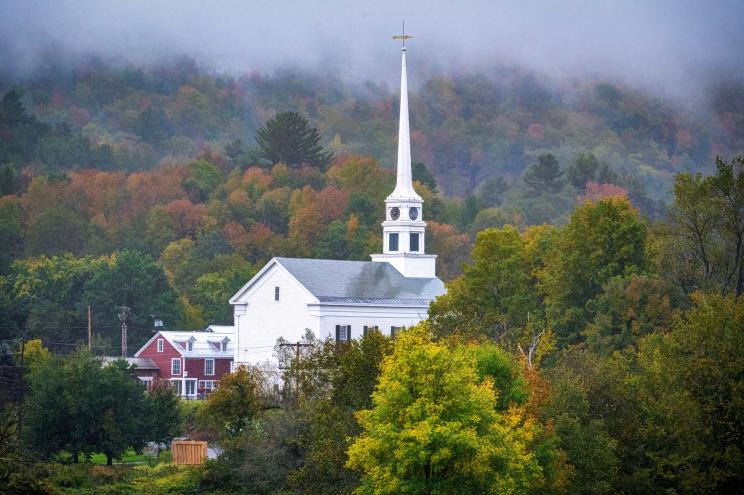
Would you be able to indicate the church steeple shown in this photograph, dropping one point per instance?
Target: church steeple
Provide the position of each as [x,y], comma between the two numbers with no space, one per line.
[404,228]
[404,184]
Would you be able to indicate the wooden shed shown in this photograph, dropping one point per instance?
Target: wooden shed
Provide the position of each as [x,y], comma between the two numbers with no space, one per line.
[188,452]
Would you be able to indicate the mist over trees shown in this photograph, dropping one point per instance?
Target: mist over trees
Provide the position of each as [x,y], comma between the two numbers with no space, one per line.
[590,233]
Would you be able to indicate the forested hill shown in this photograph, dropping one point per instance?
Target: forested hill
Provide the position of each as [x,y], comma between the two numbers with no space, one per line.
[466,127]
[147,188]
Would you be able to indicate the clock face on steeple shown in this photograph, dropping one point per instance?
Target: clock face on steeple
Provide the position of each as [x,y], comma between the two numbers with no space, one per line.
[394,213]
[413,213]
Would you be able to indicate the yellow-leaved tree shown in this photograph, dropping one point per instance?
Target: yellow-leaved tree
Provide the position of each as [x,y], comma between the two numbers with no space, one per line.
[434,427]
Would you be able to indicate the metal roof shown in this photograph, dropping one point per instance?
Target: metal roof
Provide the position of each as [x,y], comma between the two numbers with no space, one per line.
[201,346]
[220,329]
[361,282]
[141,363]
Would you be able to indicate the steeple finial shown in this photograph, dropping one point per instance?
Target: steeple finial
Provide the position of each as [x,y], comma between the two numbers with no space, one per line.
[403,37]
[404,182]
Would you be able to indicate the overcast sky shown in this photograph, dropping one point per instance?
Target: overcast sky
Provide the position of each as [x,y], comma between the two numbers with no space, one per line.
[673,45]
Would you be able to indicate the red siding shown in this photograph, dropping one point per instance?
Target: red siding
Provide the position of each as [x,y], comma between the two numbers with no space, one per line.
[162,359]
[195,367]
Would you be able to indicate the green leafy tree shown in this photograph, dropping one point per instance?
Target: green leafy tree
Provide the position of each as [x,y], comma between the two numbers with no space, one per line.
[590,449]
[134,280]
[120,408]
[470,208]
[434,428]
[705,243]
[424,176]
[587,168]
[81,407]
[153,125]
[203,177]
[629,308]
[495,295]
[164,414]
[583,170]
[544,176]
[213,290]
[333,244]
[333,382]
[493,218]
[11,232]
[46,294]
[8,179]
[492,191]
[56,231]
[690,387]
[603,240]
[288,138]
[236,403]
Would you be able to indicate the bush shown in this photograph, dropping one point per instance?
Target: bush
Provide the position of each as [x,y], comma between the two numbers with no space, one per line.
[15,480]
[169,478]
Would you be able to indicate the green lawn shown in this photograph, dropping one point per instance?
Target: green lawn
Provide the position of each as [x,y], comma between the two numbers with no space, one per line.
[129,457]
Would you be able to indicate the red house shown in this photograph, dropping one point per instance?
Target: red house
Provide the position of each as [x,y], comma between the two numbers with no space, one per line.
[193,362]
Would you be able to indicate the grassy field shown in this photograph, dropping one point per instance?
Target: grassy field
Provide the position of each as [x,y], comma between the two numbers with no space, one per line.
[130,457]
[122,479]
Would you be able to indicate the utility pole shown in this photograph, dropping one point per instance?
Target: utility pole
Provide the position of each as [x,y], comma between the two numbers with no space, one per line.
[297,346]
[22,392]
[123,315]
[90,331]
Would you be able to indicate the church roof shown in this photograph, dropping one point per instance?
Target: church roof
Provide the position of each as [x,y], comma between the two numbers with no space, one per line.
[361,282]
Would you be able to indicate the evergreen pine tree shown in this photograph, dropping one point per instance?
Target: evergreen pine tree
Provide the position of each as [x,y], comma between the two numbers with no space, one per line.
[288,138]
[583,170]
[545,175]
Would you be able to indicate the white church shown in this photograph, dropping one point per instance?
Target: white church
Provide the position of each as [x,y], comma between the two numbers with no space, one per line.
[344,299]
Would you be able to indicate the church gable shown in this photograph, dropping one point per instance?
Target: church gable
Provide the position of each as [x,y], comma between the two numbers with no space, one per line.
[269,283]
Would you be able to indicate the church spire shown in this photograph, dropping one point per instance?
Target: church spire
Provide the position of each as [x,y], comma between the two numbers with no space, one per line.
[404,183]
[404,228]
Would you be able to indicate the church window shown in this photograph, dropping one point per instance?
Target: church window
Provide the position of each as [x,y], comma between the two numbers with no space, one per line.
[393,241]
[370,328]
[175,366]
[276,293]
[343,333]
[414,241]
[160,345]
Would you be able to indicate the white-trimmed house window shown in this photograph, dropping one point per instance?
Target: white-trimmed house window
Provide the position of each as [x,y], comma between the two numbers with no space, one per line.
[160,345]
[190,345]
[209,366]
[176,366]
[343,333]
[224,344]
[208,384]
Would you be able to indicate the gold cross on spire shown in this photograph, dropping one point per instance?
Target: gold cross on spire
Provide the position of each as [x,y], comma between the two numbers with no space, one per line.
[403,37]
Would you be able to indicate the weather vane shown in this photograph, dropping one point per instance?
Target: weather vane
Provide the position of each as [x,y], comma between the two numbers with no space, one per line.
[403,37]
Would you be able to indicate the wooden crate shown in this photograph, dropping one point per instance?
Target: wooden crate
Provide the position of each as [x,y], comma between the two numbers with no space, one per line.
[188,452]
